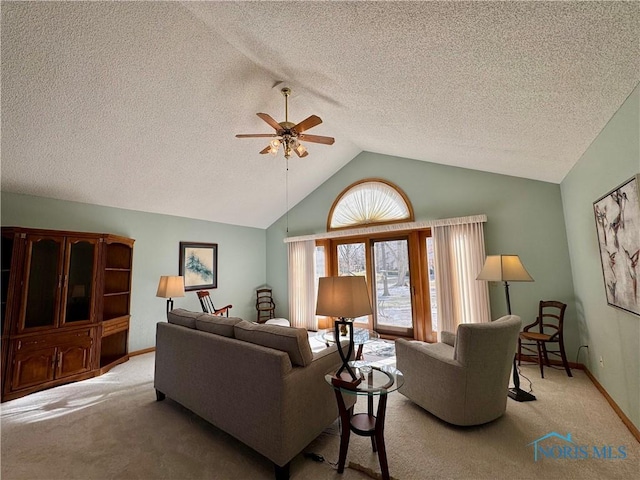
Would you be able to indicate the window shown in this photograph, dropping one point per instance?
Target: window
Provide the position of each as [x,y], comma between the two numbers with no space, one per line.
[369,202]
[395,261]
[396,268]
[394,264]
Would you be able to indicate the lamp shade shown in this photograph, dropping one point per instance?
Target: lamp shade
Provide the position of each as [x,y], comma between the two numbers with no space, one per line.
[504,268]
[345,297]
[170,287]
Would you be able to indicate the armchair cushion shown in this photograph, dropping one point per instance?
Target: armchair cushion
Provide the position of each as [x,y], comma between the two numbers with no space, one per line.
[466,384]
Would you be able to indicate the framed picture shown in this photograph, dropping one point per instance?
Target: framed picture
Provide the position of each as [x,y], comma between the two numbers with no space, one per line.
[199,265]
[617,217]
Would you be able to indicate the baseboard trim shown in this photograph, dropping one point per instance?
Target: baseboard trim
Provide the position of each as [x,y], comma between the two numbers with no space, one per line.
[579,366]
[142,352]
[530,359]
[628,423]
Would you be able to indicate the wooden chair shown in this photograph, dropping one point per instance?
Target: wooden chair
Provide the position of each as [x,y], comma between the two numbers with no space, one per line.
[265,305]
[550,330]
[207,304]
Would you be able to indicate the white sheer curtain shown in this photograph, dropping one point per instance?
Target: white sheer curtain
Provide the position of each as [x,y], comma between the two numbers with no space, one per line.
[459,255]
[302,288]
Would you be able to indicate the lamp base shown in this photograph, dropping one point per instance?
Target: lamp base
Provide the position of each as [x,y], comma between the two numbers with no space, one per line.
[520,395]
[344,380]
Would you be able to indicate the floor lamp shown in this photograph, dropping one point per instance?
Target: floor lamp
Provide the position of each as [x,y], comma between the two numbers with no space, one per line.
[170,286]
[508,268]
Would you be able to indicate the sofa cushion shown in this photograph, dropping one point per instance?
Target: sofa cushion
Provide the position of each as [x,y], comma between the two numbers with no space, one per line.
[183,317]
[294,341]
[217,324]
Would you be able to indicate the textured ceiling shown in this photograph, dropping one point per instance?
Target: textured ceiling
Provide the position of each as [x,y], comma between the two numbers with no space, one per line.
[135,105]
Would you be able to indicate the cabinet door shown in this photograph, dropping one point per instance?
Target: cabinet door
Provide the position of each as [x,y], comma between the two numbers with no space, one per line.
[33,368]
[42,283]
[81,262]
[73,359]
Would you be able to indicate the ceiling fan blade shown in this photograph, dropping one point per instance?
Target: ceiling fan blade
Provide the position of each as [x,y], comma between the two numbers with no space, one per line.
[266,149]
[307,123]
[256,135]
[267,118]
[317,139]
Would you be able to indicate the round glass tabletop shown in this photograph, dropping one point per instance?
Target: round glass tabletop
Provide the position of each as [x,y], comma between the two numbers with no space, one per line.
[375,379]
[360,335]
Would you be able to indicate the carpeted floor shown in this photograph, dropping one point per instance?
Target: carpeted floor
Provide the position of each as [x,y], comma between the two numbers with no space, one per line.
[111,427]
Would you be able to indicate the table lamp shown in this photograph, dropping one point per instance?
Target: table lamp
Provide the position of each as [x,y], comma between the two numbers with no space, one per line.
[345,298]
[170,287]
[508,268]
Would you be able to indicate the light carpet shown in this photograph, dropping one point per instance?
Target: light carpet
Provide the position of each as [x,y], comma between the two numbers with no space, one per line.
[111,427]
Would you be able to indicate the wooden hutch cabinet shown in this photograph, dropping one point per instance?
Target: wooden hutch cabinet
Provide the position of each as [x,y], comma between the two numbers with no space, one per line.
[65,307]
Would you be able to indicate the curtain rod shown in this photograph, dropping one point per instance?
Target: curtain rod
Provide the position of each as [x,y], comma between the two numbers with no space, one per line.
[394,227]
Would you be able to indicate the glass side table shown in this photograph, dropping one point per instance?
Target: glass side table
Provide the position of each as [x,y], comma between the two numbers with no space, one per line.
[376,381]
[360,337]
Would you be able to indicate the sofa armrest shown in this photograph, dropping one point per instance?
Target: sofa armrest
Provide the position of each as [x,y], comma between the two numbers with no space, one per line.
[448,338]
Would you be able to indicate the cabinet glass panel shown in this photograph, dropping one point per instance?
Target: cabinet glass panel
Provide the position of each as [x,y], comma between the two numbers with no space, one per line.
[7,252]
[78,301]
[42,295]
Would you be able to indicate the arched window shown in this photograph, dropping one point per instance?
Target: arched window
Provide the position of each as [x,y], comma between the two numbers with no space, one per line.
[369,202]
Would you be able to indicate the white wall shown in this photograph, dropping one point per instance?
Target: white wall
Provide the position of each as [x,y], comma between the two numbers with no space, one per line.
[610,333]
[241,254]
[525,217]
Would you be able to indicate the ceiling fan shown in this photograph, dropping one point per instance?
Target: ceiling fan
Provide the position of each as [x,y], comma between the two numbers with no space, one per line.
[288,134]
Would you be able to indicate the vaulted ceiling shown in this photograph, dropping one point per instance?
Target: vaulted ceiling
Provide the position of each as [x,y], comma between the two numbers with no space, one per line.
[136,104]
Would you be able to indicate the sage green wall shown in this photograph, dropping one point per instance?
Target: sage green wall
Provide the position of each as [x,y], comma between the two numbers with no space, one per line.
[612,334]
[241,254]
[525,217]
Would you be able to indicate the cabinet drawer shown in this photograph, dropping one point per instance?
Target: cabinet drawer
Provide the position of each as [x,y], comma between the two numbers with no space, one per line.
[38,342]
[114,326]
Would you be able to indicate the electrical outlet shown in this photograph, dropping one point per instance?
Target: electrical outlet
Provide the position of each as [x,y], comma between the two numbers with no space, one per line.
[601,361]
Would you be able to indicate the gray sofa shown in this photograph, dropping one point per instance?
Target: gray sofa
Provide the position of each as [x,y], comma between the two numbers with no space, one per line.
[261,384]
[464,379]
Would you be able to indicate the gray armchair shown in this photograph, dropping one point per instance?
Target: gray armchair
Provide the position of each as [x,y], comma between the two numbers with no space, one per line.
[464,379]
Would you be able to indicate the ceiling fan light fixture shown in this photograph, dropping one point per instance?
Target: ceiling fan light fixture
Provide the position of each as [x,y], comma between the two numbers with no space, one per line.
[301,149]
